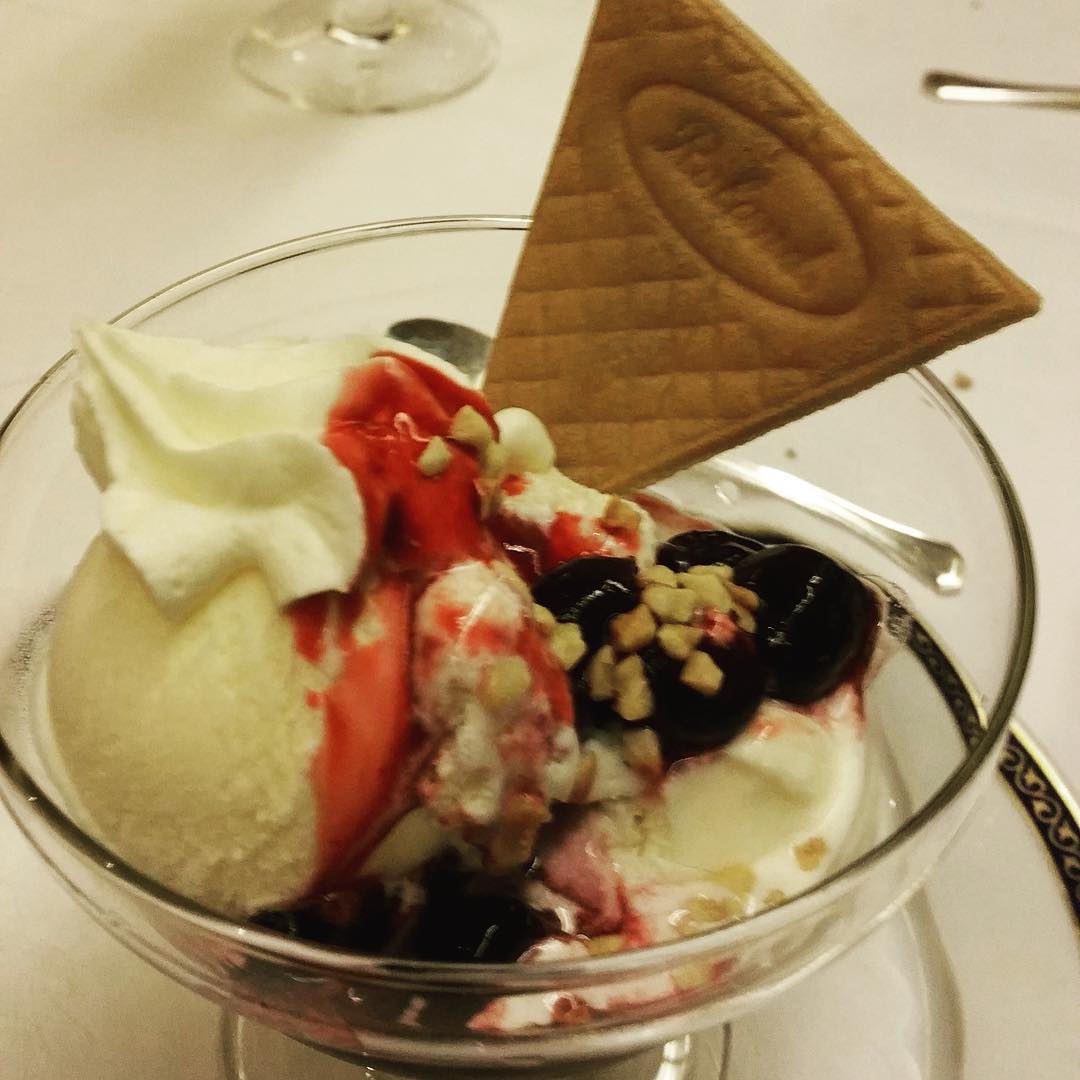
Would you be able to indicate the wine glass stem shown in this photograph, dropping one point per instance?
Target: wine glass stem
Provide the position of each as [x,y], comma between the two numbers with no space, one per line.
[364,18]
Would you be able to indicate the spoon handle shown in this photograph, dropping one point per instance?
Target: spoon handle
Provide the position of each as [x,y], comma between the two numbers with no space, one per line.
[949,86]
[935,562]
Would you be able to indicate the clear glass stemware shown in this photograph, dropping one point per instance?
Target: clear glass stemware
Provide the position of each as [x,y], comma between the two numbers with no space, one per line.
[936,715]
[361,56]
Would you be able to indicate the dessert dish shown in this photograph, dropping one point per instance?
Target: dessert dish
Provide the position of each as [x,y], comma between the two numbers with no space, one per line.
[353,658]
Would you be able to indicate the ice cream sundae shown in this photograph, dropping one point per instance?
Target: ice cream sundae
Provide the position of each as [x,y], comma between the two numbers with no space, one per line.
[352,658]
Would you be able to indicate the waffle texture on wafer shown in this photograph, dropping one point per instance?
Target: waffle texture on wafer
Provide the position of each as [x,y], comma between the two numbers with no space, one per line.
[715,252]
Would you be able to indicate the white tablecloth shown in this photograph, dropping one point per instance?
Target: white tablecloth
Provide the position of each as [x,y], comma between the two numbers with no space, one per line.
[131,154]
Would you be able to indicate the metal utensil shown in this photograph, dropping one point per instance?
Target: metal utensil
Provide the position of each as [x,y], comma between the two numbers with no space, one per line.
[935,562]
[951,87]
[467,349]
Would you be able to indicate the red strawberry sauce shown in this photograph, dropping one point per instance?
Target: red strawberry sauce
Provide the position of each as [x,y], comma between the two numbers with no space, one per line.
[387,413]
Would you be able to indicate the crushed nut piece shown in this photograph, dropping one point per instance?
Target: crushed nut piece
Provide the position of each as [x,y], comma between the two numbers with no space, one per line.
[470,428]
[724,573]
[963,381]
[658,575]
[514,836]
[633,630]
[619,514]
[435,457]
[668,604]
[678,641]
[567,644]
[700,673]
[707,910]
[738,877]
[505,682]
[544,619]
[583,778]
[493,460]
[744,597]
[605,944]
[600,674]
[633,695]
[490,497]
[810,852]
[709,590]
[692,976]
[641,751]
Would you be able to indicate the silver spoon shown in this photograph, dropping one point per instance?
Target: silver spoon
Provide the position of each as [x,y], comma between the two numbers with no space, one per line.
[935,562]
[465,348]
[948,86]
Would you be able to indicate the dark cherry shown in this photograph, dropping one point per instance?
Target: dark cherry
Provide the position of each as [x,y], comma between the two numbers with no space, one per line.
[468,917]
[815,620]
[590,591]
[705,547]
[362,918]
[686,721]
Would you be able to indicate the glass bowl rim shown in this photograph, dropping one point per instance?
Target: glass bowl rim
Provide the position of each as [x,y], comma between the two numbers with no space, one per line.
[554,974]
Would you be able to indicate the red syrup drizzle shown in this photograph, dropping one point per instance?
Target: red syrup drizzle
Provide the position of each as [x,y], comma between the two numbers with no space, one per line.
[387,413]
[534,551]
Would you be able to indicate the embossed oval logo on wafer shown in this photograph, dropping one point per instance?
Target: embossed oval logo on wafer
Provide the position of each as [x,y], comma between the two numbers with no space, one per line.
[740,196]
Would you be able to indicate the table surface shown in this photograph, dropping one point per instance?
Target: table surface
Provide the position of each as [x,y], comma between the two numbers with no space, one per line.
[131,154]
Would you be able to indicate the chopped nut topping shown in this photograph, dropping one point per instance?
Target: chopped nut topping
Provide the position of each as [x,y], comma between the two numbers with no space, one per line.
[692,976]
[724,573]
[435,457]
[605,944]
[583,778]
[514,836]
[544,619]
[641,751]
[633,630]
[567,644]
[600,674]
[619,514]
[669,605]
[708,909]
[738,877]
[494,459]
[703,912]
[470,428]
[633,695]
[744,597]
[490,497]
[810,852]
[709,590]
[701,674]
[658,575]
[678,641]
[505,682]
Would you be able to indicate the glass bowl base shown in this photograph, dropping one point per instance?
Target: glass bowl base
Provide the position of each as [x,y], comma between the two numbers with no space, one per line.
[251,1051]
[418,52]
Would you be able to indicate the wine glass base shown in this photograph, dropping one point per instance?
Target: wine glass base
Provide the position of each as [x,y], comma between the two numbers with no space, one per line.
[253,1052]
[426,51]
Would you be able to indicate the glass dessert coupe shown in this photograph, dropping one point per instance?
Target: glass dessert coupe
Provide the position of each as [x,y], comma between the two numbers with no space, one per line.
[361,56]
[937,712]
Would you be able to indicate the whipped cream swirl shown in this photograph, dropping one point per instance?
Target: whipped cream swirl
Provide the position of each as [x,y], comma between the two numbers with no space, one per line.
[210,459]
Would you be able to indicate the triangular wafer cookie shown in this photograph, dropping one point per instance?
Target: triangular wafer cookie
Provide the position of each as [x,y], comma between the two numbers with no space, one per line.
[715,252]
